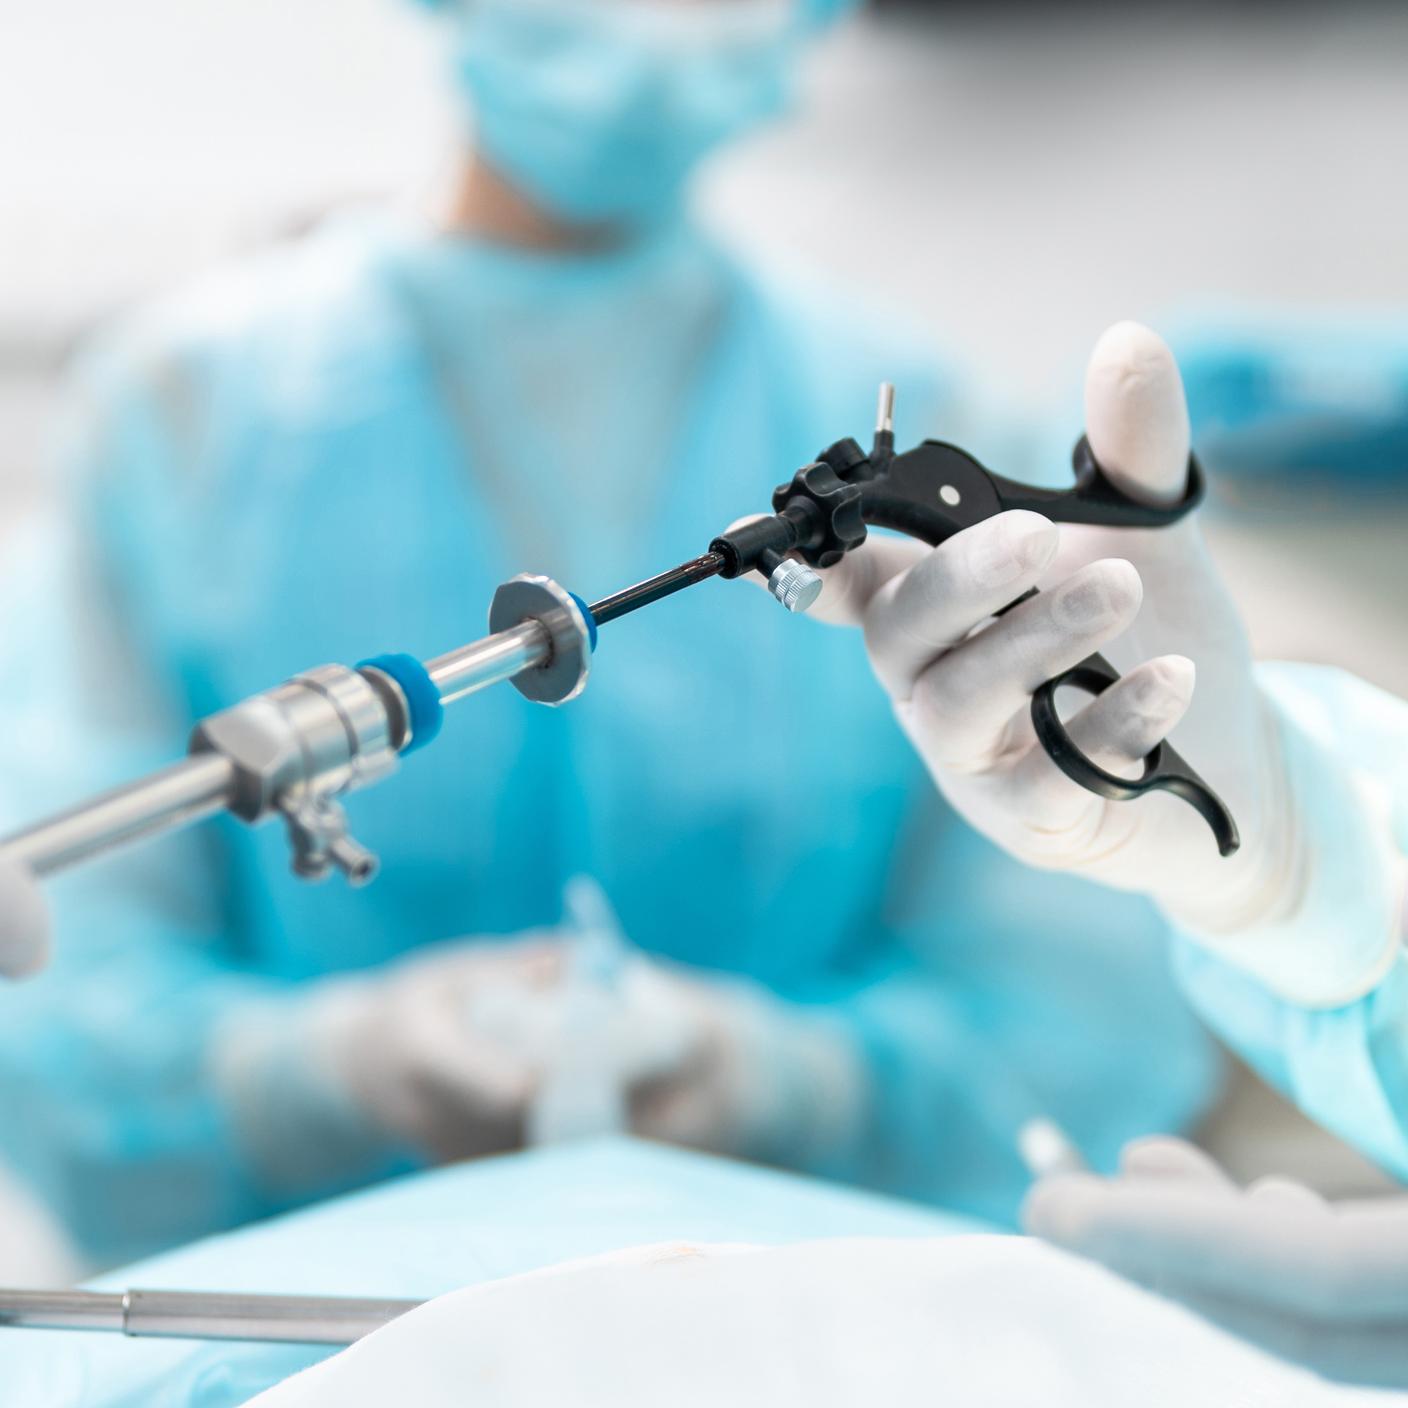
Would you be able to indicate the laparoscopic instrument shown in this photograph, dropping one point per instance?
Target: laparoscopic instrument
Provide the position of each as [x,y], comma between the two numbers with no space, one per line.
[295,750]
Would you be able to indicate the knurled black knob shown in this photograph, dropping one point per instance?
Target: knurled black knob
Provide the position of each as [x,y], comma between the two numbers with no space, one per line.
[826,511]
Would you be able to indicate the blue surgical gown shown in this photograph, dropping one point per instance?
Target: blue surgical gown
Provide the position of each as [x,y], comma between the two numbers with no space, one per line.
[340,447]
[1345,1065]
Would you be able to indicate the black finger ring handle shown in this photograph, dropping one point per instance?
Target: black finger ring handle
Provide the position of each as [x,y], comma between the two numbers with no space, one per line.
[1164,769]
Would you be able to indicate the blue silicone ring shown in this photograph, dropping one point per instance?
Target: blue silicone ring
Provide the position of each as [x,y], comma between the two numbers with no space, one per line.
[422,696]
[587,617]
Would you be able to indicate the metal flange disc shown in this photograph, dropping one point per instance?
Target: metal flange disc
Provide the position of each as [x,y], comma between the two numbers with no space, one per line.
[563,675]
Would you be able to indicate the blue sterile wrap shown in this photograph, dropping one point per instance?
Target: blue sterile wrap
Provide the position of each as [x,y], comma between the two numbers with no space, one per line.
[422,694]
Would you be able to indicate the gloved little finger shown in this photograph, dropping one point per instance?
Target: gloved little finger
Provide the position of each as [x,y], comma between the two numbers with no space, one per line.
[1114,731]
[959,711]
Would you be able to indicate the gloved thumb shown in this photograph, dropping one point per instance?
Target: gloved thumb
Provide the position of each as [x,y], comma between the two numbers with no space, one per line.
[1136,417]
[24,923]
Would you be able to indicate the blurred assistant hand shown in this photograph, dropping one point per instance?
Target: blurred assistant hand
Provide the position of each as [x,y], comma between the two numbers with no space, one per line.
[480,1046]
[1324,1285]
[386,1058]
[24,923]
[961,680]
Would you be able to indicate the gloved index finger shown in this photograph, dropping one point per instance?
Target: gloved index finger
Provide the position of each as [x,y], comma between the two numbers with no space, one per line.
[852,584]
[918,616]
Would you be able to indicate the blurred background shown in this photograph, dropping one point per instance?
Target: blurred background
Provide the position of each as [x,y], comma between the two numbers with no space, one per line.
[1013,179]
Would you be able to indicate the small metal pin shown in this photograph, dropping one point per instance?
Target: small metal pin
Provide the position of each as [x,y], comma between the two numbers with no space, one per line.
[885,411]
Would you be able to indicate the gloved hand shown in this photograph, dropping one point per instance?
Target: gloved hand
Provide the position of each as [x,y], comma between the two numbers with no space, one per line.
[24,923]
[331,1076]
[962,682]
[1326,1286]
[472,1047]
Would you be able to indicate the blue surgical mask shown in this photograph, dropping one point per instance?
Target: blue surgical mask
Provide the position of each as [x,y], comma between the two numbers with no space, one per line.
[598,110]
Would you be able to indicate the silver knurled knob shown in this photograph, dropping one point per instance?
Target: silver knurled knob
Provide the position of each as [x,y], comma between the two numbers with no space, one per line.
[795,585]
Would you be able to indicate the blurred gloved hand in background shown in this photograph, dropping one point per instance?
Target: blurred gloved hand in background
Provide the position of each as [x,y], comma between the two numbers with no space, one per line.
[24,923]
[481,1045]
[1324,1285]
[1307,904]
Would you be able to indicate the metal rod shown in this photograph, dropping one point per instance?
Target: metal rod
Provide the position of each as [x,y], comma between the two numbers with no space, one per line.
[202,1315]
[653,589]
[61,1310]
[186,791]
[885,410]
[204,783]
[488,661]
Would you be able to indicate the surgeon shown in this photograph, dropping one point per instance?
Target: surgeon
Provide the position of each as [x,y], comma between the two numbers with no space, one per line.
[342,446]
[1294,950]
[1294,947]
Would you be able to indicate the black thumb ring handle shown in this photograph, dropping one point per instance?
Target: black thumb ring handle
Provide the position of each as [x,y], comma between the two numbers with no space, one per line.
[1164,769]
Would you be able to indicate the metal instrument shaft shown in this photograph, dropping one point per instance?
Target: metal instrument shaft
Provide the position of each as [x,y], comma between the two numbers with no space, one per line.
[653,589]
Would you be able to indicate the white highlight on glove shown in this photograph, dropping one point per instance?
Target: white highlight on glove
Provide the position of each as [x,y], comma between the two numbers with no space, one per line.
[24,923]
[974,1320]
[962,681]
[1321,1284]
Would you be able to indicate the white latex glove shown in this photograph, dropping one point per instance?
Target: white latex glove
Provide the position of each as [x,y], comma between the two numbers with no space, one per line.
[985,1321]
[672,1053]
[407,1047]
[390,1056]
[24,923]
[1324,1285]
[472,1047]
[962,684]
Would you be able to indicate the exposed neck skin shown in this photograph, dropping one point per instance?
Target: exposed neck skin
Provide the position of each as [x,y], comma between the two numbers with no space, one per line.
[484,205]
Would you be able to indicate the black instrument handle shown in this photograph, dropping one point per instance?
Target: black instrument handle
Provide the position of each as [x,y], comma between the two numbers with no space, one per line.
[936,490]
[1164,769]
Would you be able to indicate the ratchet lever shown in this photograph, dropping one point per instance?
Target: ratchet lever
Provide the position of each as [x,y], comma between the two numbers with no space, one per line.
[932,492]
